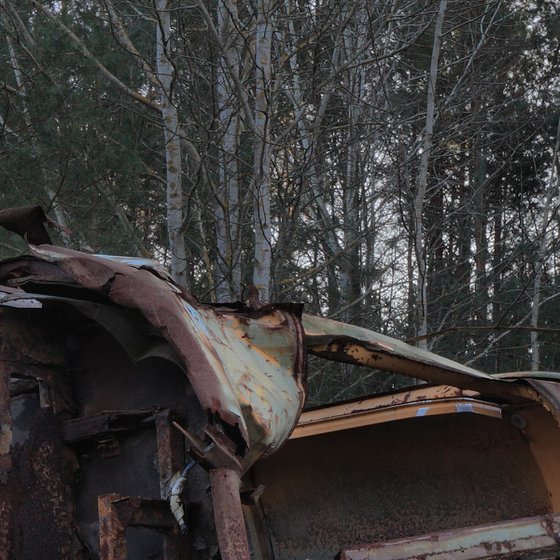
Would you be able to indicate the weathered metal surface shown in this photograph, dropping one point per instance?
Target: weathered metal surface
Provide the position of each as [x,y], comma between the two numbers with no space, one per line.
[341,342]
[9,493]
[36,501]
[217,449]
[540,430]
[228,514]
[117,513]
[105,423]
[28,222]
[112,530]
[425,401]
[532,537]
[45,516]
[325,336]
[246,366]
[171,451]
[549,395]
[171,459]
[397,479]
[107,338]
[5,420]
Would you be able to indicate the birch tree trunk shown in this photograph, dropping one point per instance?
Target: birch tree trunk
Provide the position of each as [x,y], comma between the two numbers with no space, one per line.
[351,266]
[227,266]
[480,220]
[262,151]
[419,199]
[173,163]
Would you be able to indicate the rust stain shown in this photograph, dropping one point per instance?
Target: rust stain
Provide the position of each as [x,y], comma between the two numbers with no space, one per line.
[47,511]
[531,537]
[210,344]
[228,514]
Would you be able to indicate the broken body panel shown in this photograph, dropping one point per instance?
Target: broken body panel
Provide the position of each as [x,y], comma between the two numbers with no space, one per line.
[110,375]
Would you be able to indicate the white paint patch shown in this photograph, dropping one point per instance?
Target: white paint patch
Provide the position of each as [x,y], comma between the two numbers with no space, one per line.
[465,407]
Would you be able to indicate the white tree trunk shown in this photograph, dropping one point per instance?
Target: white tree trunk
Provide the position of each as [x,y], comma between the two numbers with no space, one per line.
[308,136]
[227,267]
[262,152]
[173,163]
[419,199]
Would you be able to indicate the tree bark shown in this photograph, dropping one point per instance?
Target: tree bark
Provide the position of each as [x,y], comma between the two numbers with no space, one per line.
[262,152]
[541,254]
[227,266]
[419,199]
[173,163]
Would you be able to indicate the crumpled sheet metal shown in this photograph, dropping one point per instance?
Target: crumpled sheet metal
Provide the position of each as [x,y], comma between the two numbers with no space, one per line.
[342,342]
[246,367]
[348,343]
[27,221]
[320,333]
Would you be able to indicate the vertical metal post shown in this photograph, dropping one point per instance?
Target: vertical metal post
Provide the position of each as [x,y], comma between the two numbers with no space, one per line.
[171,456]
[112,532]
[228,514]
[171,451]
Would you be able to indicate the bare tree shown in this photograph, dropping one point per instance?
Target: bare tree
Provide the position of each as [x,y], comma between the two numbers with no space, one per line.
[543,251]
[422,185]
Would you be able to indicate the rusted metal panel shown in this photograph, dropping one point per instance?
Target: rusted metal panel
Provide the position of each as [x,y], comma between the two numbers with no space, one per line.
[341,342]
[45,517]
[112,530]
[324,336]
[104,423]
[142,512]
[540,430]
[353,482]
[171,451]
[246,366]
[9,494]
[532,537]
[425,401]
[171,459]
[28,222]
[396,480]
[117,513]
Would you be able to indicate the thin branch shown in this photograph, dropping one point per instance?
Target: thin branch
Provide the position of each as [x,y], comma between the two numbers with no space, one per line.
[124,40]
[104,70]
[241,91]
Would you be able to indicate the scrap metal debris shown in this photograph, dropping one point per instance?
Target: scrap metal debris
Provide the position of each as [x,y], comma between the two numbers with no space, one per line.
[175,500]
[129,373]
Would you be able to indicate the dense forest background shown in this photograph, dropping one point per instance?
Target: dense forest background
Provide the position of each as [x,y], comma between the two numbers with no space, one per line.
[390,163]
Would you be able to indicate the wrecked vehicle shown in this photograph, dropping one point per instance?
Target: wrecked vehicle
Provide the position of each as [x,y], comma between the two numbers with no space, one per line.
[136,422]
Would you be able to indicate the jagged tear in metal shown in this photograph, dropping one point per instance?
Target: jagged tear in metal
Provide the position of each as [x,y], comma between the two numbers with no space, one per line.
[245,365]
[107,365]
